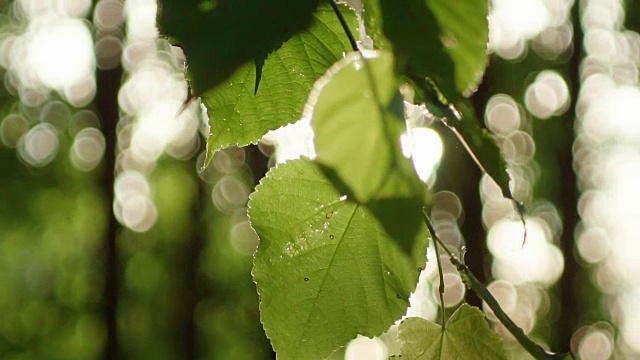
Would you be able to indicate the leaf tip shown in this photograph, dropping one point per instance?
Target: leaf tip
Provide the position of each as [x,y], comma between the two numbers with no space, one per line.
[520,208]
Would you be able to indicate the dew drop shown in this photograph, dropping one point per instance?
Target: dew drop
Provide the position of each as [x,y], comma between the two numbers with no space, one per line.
[330,236]
[306,279]
[329,214]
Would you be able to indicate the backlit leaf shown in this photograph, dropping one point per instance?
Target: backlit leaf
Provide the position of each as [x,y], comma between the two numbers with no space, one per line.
[219,36]
[464,32]
[466,336]
[443,40]
[325,269]
[256,94]
[357,137]
[409,28]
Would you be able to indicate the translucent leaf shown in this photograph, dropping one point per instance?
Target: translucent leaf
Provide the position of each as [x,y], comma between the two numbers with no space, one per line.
[466,336]
[325,269]
[464,31]
[397,25]
[443,40]
[357,138]
[266,92]
[220,36]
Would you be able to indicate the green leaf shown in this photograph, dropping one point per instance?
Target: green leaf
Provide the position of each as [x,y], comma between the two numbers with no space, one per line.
[325,269]
[357,133]
[452,45]
[238,115]
[220,36]
[397,25]
[466,336]
[464,31]
[357,138]
[252,62]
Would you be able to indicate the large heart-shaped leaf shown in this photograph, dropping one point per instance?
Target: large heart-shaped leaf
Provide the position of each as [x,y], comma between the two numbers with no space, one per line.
[325,269]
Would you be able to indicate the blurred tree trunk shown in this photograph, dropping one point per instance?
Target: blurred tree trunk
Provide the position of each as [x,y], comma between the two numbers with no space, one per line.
[568,202]
[108,83]
[193,249]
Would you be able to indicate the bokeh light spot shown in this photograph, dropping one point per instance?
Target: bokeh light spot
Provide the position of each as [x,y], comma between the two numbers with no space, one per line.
[60,51]
[425,148]
[12,128]
[502,114]
[363,348]
[548,95]
[39,146]
[87,149]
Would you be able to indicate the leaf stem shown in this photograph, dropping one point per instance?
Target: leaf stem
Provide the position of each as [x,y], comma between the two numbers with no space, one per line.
[441,287]
[470,280]
[345,26]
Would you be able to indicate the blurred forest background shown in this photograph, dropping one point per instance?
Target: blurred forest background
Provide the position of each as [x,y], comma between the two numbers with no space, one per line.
[114,245]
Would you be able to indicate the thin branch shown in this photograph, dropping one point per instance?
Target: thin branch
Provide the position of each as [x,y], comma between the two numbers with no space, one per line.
[441,287]
[345,26]
[470,280]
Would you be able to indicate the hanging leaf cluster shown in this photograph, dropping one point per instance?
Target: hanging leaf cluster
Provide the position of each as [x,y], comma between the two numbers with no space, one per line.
[341,236]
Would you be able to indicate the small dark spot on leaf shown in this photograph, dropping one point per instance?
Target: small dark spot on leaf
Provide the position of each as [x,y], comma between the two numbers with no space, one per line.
[420,269]
[306,279]
[330,236]
[329,214]
[398,296]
